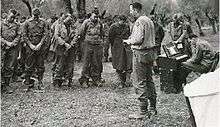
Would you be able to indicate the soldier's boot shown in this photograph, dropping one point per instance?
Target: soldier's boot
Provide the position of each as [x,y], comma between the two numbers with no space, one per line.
[142,113]
[128,80]
[57,83]
[84,82]
[70,82]
[6,86]
[118,81]
[97,82]
[40,87]
[152,108]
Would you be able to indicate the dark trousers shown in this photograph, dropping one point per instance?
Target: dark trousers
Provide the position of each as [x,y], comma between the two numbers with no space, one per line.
[106,47]
[9,58]
[20,64]
[143,81]
[34,63]
[64,65]
[92,62]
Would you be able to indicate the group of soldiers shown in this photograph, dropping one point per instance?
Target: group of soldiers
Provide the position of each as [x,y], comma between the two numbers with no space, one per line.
[135,45]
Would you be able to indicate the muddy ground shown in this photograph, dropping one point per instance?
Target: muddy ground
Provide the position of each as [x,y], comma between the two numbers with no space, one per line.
[89,107]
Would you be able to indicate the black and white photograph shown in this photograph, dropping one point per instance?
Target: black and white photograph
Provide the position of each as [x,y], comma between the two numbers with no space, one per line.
[110,63]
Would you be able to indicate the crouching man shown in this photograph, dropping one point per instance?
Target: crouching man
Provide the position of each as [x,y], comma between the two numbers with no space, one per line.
[203,56]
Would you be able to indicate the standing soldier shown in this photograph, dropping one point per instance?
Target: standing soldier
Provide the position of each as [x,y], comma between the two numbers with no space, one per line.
[121,53]
[35,33]
[65,55]
[179,30]
[142,40]
[20,63]
[10,37]
[91,29]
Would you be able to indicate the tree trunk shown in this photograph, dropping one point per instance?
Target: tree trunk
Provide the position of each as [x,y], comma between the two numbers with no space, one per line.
[200,28]
[68,6]
[81,7]
[27,3]
[211,21]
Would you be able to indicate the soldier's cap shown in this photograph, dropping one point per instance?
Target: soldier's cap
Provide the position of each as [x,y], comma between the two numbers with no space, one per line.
[36,11]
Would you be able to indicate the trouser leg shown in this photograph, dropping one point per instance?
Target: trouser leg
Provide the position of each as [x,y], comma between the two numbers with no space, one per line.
[96,65]
[143,81]
[59,68]
[85,74]
[69,64]
[29,65]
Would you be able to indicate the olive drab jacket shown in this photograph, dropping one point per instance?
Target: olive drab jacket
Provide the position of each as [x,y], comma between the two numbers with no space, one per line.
[92,32]
[10,32]
[35,30]
[202,53]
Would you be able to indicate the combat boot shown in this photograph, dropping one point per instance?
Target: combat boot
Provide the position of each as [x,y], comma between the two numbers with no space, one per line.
[128,81]
[40,87]
[119,82]
[6,86]
[97,83]
[84,82]
[141,114]
[152,108]
[70,82]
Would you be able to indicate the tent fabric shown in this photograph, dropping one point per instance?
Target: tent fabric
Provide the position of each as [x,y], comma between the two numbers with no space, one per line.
[206,84]
[204,97]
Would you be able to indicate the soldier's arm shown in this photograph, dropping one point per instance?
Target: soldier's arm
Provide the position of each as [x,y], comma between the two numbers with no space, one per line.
[183,35]
[197,54]
[25,36]
[45,35]
[3,41]
[18,36]
[137,35]
[82,30]
[111,35]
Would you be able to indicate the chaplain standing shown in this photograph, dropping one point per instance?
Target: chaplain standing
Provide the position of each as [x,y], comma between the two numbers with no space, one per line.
[142,41]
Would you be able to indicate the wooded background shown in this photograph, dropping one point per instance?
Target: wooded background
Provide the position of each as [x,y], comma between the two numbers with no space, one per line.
[115,7]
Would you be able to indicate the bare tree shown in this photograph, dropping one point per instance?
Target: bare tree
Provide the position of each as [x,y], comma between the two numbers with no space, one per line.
[81,7]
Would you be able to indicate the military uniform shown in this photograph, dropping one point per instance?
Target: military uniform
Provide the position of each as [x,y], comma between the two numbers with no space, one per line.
[65,58]
[142,40]
[35,31]
[121,53]
[20,63]
[92,62]
[10,33]
[202,57]
[179,33]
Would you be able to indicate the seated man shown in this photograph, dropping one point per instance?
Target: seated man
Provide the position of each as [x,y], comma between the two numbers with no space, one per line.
[203,55]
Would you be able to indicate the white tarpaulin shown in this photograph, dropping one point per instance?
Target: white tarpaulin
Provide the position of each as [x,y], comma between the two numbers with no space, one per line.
[204,97]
